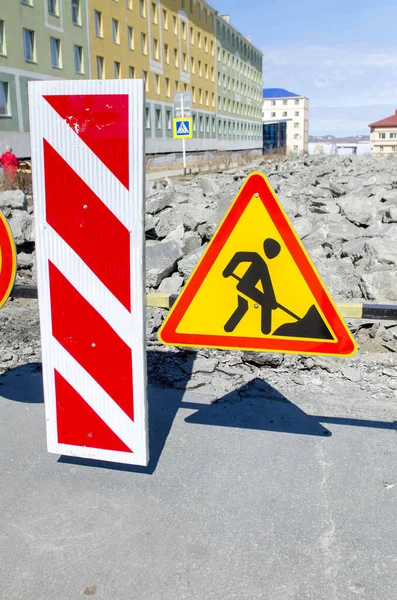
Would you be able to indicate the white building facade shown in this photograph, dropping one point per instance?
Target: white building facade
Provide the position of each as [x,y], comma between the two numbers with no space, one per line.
[279,105]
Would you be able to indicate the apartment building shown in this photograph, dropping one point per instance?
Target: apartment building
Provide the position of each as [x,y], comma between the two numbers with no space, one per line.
[39,39]
[239,87]
[174,45]
[171,46]
[178,45]
[383,136]
[282,106]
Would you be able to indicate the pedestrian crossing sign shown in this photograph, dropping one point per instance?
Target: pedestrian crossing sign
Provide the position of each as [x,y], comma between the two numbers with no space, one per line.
[255,287]
[183,128]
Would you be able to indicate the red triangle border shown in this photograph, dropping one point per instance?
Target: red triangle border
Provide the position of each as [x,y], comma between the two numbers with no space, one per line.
[256,183]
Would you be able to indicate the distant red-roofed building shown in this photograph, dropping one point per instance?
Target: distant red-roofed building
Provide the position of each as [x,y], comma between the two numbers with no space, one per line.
[383,135]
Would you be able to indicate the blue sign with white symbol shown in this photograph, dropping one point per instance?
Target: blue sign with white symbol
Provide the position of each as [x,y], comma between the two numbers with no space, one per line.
[183,128]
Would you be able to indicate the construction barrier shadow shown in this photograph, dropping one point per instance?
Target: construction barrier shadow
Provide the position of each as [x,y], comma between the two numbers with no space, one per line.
[256,405]
[163,403]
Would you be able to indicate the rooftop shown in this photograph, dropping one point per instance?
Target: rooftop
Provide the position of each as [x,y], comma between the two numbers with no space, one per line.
[388,122]
[277,93]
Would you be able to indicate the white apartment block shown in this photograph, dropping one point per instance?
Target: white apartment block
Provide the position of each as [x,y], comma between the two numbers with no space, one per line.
[283,106]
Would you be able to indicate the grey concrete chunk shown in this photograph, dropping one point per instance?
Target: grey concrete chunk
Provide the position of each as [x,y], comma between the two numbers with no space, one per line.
[161,260]
[13,199]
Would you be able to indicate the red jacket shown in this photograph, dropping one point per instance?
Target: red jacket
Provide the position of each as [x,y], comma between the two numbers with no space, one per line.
[10,163]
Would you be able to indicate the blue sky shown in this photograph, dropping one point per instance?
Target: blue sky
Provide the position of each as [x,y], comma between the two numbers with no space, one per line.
[341,54]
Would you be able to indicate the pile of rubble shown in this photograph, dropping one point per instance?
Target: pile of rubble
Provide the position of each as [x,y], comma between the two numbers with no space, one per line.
[344,210]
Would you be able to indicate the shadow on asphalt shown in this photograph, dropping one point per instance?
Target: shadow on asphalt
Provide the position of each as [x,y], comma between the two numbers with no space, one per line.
[256,405]
[23,384]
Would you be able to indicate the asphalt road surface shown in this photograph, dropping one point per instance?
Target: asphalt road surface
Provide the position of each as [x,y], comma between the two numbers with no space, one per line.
[278,498]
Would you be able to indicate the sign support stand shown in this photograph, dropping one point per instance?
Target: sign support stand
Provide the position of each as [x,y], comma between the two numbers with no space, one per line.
[183,140]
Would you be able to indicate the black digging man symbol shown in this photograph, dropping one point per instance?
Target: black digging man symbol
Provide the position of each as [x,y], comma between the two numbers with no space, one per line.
[311,325]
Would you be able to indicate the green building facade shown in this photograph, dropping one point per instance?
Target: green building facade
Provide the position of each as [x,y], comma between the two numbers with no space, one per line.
[239,85]
[39,39]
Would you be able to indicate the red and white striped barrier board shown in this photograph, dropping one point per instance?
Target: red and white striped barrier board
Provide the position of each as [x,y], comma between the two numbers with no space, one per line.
[88,184]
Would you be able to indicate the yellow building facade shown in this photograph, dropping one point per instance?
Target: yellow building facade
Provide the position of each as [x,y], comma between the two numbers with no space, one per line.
[171,44]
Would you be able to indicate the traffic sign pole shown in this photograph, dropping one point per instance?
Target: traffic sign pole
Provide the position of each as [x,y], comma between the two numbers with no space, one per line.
[183,141]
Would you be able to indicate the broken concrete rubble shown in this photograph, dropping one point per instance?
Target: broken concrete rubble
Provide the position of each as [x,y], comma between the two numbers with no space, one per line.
[343,209]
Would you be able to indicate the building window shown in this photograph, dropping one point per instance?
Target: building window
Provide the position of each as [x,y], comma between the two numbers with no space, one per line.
[142,8]
[175,25]
[4,100]
[168,119]
[201,124]
[55,53]
[131,72]
[207,98]
[296,136]
[382,136]
[98,23]
[158,118]
[194,123]
[273,114]
[193,93]
[184,61]
[285,114]
[212,74]
[116,70]
[273,103]
[191,35]
[143,43]
[157,83]
[156,51]
[78,59]
[176,57]
[393,136]
[128,4]
[393,148]
[76,12]
[167,87]
[3,50]
[296,113]
[200,70]
[115,32]
[166,54]
[146,80]
[192,67]
[297,102]
[177,86]
[165,19]
[213,99]
[198,11]
[29,45]
[381,148]
[155,13]
[147,117]
[53,8]
[200,96]
[130,37]
[199,39]
[100,67]
[296,125]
